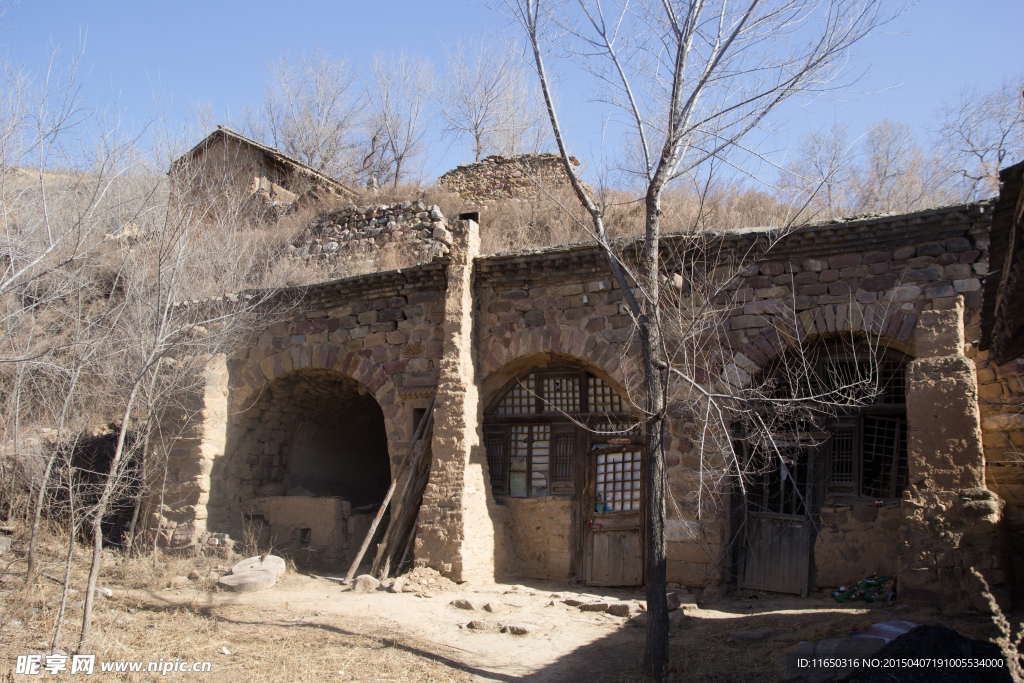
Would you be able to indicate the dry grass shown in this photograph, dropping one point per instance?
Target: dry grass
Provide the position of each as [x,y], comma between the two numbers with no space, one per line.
[138,626]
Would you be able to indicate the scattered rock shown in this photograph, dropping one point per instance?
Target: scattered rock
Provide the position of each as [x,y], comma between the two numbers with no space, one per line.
[716,592]
[180,582]
[673,601]
[194,575]
[365,584]
[268,563]
[753,636]
[245,582]
[594,607]
[676,619]
[573,602]
[463,603]
[493,608]
[104,592]
[397,585]
[620,609]
[441,234]
[518,629]
[484,625]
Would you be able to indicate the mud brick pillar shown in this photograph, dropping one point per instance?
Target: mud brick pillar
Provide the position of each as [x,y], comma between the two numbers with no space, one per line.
[455,534]
[949,520]
[195,446]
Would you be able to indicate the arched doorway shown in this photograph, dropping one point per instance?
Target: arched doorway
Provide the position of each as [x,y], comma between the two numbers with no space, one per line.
[316,450]
[563,448]
[840,444]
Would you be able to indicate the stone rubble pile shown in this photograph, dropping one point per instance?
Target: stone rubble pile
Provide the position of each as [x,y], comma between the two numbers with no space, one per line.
[362,232]
[498,177]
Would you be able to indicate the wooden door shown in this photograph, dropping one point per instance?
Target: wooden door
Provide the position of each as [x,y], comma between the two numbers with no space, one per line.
[614,517]
[778,535]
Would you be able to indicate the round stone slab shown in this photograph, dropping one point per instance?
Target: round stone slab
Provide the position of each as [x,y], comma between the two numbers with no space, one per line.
[245,582]
[270,563]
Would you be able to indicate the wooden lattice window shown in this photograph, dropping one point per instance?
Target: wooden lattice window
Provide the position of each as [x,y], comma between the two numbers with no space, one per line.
[533,430]
[601,398]
[618,482]
[520,400]
[562,394]
[564,446]
[497,459]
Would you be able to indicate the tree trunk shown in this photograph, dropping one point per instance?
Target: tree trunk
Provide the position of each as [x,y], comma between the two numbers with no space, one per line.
[37,514]
[656,653]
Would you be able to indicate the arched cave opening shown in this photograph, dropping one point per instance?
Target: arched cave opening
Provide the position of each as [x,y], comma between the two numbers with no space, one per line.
[333,440]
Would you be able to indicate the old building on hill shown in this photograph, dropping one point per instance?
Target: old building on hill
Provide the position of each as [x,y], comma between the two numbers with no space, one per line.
[536,466]
[228,164]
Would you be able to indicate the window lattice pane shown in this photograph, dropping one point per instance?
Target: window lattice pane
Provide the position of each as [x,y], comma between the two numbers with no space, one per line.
[618,481]
[563,459]
[601,398]
[539,460]
[881,443]
[842,456]
[562,394]
[496,458]
[520,400]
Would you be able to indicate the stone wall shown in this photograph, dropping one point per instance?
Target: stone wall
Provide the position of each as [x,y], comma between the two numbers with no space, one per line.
[368,232]
[382,333]
[857,540]
[466,324]
[498,177]
[1001,401]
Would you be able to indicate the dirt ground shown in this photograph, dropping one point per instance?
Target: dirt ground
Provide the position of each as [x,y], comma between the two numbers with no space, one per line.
[310,627]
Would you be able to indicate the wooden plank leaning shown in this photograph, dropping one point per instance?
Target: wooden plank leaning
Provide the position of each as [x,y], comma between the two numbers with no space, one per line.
[405,511]
[417,437]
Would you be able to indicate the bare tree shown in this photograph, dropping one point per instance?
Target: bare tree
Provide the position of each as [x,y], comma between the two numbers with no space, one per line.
[895,174]
[822,170]
[488,99]
[312,111]
[982,131]
[693,80]
[400,93]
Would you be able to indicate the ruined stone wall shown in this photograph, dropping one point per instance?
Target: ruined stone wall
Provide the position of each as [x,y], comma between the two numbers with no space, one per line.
[498,177]
[369,232]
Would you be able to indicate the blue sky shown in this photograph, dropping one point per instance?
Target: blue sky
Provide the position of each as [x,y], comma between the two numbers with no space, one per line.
[215,53]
